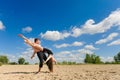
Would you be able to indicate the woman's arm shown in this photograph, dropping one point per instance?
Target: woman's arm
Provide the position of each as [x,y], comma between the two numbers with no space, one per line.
[50,56]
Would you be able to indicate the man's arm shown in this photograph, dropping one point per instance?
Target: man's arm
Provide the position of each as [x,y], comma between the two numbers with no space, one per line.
[26,39]
[31,43]
[20,35]
[33,55]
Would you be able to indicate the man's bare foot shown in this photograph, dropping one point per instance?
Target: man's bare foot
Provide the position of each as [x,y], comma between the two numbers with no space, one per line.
[51,71]
[37,72]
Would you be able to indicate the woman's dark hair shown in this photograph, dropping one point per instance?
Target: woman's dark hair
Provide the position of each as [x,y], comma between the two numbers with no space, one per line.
[36,39]
[50,65]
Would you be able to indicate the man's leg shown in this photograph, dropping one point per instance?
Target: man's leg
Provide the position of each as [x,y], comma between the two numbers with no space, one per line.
[40,56]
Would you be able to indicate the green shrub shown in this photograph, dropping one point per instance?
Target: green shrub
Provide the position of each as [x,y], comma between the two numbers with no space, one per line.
[21,60]
[0,63]
[13,63]
[36,63]
[4,59]
[26,63]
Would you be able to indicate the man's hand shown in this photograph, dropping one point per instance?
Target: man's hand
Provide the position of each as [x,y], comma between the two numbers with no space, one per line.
[32,57]
[26,41]
[20,35]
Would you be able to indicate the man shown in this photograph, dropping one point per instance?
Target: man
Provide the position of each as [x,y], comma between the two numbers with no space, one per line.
[40,53]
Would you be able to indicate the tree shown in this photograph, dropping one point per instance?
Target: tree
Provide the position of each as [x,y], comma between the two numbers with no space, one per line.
[64,62]
[87,58]
[97,60]
[92,59]
[21,60]
[71,63]
[0,63]
[93,56]
[4,59]
[117,58]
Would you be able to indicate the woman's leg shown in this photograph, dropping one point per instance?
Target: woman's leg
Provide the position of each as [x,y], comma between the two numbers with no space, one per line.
[50,55]
[45,50]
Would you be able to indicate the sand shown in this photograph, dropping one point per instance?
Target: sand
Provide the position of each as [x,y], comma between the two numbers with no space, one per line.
[61,72]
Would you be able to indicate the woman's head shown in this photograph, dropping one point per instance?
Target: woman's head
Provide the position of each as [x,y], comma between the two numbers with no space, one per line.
[37,40]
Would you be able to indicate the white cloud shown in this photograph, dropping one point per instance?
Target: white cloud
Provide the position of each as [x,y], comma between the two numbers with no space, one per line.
[76,32]
[12,58]
[107,59]
[2,27]
[55,35]
[62,45]
[109,38]
[85,51]
[69,56]
[90,47]
[74,55]
[27,29]
[76,43]
[116,42]
[91,28]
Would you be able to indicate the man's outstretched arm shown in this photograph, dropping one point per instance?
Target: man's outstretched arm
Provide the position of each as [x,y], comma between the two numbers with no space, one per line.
[31,43]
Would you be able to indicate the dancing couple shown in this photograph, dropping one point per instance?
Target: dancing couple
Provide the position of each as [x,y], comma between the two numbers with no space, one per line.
[40,51]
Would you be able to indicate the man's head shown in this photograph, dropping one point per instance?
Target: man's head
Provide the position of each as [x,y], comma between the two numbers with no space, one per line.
[37,40]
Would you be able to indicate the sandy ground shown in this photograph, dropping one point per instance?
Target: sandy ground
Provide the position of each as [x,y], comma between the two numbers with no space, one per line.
[61,72]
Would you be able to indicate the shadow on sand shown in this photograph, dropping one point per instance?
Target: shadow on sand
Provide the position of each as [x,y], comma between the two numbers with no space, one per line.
[26,72]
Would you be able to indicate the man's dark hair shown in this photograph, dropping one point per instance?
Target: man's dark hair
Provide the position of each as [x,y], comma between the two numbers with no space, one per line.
[36,39]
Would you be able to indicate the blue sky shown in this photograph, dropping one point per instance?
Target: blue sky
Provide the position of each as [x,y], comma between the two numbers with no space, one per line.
[70,28]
